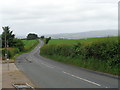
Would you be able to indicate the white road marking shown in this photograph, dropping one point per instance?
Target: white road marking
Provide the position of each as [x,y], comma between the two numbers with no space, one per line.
[107,87]
[47,65]
[82,79]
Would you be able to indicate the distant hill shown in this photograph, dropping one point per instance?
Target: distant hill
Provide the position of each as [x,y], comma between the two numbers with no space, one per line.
[89,34]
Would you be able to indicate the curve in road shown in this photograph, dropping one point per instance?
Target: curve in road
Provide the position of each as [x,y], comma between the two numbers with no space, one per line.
[46,73]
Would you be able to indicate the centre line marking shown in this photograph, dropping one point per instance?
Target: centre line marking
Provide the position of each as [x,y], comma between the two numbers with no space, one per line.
[47,65]
[82,79]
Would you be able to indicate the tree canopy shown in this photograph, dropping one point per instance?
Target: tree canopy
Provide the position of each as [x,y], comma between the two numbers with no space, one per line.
[32,36]
[8,35]
[42,37]
[47,40]
[9,38]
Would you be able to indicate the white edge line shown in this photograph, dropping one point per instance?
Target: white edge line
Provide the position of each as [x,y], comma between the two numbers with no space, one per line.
[82,79]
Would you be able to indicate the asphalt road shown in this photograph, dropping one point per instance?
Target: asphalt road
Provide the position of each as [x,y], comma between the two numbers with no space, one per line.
[46,73]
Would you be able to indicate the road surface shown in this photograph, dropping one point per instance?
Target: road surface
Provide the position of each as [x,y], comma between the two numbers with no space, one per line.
[47,73]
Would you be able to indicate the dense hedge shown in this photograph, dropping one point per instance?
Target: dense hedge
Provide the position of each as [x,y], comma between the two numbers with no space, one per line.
[101,50]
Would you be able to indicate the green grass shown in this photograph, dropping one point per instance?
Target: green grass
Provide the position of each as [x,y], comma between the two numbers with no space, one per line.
[28,44]
[90,64]
[74,41]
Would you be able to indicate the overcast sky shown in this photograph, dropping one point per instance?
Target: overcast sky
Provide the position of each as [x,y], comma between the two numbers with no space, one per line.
[58,16]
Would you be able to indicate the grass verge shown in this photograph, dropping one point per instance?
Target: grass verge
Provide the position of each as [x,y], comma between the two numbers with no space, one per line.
[90,64]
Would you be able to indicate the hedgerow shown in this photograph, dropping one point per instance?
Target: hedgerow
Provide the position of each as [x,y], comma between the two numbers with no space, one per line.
[105,51]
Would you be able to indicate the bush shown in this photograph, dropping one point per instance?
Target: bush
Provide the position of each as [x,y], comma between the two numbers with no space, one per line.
[64,50]
[103,50]
[18,44]
[10,52]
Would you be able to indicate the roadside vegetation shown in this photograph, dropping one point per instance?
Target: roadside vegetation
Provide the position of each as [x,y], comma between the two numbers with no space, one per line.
[99,54]
[0,47]
[12,52]
[46,40]
[12,46]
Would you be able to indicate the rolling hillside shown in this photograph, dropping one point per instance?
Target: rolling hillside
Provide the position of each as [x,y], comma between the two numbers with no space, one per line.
[90,34]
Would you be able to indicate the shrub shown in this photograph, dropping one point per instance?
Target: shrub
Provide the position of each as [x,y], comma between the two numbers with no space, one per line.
[103,50]
[18,44]
[10,52]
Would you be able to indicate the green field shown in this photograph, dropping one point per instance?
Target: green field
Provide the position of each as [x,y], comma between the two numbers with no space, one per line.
[99,54]
[28,44]
[74,41]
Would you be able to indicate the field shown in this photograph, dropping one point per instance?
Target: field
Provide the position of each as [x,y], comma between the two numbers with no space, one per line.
[28,44]
[74,41]
[99,54]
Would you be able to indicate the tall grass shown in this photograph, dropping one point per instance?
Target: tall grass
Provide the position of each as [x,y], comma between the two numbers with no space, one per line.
[100,54]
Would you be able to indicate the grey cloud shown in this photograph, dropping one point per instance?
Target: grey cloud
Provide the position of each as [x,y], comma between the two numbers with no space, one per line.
[62,15]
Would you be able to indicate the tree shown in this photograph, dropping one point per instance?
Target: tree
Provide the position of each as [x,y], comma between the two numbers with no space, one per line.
[19,44]
[42,37]
[32,36]
[7,36]
[10,40]
[47,40]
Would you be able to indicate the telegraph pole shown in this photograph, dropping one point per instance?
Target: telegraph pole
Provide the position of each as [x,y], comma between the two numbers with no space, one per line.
[6,46]
[7,56]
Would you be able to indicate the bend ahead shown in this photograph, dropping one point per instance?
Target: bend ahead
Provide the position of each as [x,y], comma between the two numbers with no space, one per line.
[47,73]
